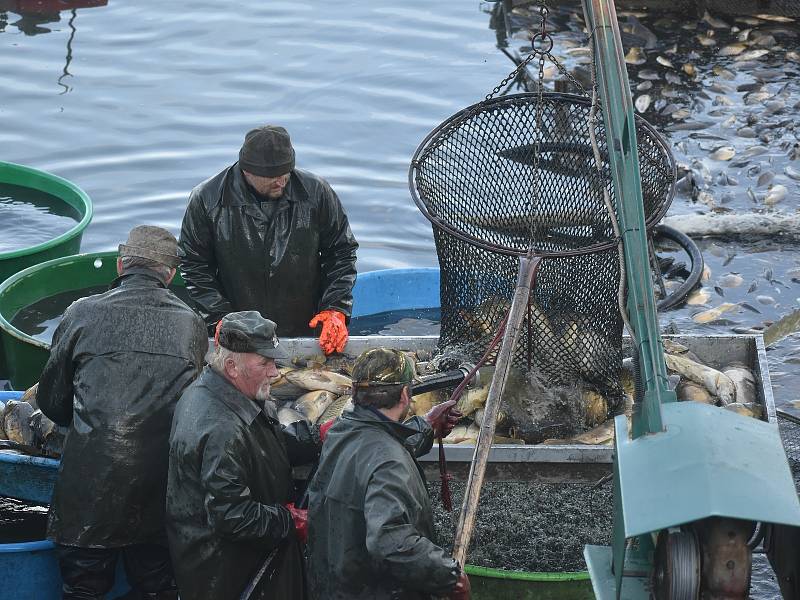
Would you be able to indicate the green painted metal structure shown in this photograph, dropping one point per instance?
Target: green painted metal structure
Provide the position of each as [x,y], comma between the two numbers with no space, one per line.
[677,463]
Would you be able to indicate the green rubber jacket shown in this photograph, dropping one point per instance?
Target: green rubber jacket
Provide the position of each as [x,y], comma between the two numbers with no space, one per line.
[287,258]
[118,364]
[371,530]
[230,473]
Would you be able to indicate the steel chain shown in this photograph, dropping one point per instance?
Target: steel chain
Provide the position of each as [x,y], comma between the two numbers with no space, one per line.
[543,12]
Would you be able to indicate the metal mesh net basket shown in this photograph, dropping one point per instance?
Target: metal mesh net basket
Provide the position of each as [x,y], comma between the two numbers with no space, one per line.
[790,435]
[491,198]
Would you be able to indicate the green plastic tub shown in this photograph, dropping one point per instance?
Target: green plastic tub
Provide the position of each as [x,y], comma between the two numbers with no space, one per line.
[65,244]
[25,355]
[497,584]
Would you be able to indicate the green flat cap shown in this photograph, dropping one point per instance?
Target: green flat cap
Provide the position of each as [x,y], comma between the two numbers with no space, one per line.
[383,366]
[153,243]
[248,332]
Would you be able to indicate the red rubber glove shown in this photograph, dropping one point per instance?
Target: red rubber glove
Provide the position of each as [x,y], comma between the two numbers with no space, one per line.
[463,590]
[323,429]
[300,518]
[443,417]
[334,331]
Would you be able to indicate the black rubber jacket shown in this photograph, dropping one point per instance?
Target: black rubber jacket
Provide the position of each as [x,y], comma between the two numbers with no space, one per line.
[287,258]
[371,530]
[230,472]
[118,364]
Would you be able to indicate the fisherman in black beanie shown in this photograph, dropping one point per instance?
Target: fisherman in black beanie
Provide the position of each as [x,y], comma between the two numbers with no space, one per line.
[265,236]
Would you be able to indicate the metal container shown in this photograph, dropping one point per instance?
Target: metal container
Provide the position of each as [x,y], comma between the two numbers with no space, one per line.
[565,463]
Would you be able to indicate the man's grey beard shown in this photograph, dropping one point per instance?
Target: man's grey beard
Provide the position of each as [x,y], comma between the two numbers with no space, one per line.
[262,393]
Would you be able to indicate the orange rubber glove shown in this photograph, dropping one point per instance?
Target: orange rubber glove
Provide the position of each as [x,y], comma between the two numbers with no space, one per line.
[334,331]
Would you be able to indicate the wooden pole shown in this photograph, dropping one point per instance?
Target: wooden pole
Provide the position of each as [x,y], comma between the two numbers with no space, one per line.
[466,520]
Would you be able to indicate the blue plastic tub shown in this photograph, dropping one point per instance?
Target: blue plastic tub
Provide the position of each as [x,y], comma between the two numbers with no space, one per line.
[29,571]
[395,289]
[23,477]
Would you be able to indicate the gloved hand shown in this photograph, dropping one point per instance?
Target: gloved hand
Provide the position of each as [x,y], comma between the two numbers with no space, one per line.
[334,331]
[463,590]
[300,518]
[443,417]
[323,429]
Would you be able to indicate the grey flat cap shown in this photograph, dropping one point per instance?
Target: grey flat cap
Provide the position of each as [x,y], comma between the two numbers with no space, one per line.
[247,331]
[154,243]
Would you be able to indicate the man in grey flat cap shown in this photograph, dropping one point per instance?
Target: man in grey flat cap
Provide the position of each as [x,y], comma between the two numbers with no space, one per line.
[263,235]
[231,521]
[118,364]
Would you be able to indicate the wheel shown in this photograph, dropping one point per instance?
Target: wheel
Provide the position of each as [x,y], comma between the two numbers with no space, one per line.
[676,575]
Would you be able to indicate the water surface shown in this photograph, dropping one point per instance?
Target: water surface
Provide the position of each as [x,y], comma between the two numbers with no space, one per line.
[31,217]
[139,102]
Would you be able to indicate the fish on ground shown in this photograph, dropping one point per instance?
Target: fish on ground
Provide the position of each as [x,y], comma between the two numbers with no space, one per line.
[313,404]
[319,379]
[716,382]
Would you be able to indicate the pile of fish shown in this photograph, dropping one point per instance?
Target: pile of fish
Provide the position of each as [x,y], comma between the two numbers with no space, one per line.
[318,389]
[24,428]
[532,412]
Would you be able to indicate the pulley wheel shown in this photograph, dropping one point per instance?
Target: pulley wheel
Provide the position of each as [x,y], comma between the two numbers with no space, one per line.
[677,566]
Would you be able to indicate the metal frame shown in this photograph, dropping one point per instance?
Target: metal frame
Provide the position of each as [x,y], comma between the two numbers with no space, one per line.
[525,96]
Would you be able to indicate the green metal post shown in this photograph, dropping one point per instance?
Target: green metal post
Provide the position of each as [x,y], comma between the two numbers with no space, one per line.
[620,127]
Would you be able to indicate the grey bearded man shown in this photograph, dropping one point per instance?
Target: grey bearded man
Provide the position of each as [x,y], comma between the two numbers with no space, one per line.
[230,492]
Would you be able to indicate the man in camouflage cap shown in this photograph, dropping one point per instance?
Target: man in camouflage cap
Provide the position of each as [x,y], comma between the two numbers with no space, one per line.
[370,525]
[230,492]
[118,363]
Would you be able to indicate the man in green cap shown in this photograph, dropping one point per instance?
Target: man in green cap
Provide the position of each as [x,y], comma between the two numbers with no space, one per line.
[118,363]
[230,493]
[263,235]
[371,530]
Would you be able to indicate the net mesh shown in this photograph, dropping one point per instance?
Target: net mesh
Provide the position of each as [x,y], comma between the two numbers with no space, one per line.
[790,435]
[491,199]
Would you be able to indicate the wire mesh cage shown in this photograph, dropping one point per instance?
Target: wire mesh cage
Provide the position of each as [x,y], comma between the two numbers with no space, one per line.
[790,435]
[513,175]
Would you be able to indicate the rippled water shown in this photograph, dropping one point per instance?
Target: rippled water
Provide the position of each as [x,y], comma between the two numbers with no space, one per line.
[139,102]
[31,217]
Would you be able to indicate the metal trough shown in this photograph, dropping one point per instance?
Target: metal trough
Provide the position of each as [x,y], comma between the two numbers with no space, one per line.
[31,478]
[565,463]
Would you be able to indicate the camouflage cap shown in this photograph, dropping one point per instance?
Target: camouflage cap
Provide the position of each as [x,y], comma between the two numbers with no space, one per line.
[383,366]
[153,243]
[248,332]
